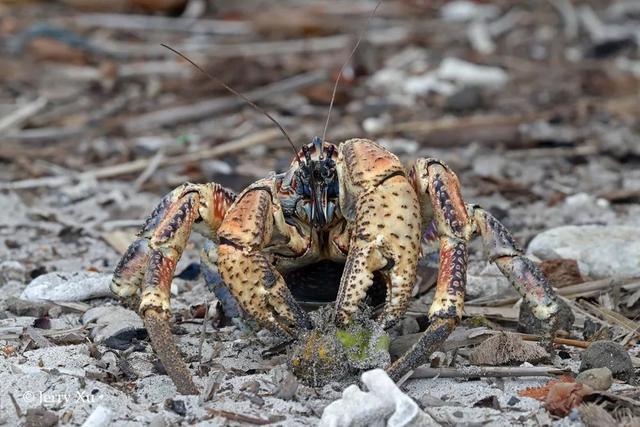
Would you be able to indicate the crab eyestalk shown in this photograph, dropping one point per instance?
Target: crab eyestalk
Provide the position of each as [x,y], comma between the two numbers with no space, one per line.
[165,347]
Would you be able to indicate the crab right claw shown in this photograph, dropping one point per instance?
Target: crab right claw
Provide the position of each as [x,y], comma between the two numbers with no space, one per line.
[255,283]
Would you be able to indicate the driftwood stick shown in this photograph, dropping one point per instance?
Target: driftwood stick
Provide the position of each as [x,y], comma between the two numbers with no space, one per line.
[459,131]
[487,371]
[589,288]
[569,16]
[233,416]
[22,114]
[149,170]
[207,109]
[161,23]
[386,36]
[563,341]
[262,137]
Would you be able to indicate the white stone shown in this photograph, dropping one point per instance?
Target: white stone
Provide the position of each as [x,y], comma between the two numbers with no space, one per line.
[462,11]
[68,286]
[100,417]
[466,73]
[383,405]
[601,251]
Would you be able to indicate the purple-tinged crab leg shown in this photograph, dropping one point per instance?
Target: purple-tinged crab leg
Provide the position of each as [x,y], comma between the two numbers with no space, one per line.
[521,271]
[438,187]
[456,223]
[150,262]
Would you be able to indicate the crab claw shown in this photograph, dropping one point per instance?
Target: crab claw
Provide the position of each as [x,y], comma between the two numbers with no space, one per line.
[262,292]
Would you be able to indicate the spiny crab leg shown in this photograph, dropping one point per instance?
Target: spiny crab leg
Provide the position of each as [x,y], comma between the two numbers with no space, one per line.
[456,224]
[149,264]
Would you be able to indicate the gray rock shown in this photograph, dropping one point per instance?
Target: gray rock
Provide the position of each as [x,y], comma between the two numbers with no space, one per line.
[115,326]
[530,324]
[596,378]
[40,417]
[601,251]
[465,99]
[608,354]
[68,286]
[11,271]
[489,282]
[383,405]
[489,165]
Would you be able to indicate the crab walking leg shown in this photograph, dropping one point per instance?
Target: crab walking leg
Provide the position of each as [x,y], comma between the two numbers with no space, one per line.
[523,274]
[439,193]
[253,281]
[150,261]
[456,223]
[387,232]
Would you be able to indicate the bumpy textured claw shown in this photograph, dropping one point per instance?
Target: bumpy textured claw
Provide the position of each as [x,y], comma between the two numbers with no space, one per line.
[387,233]
[253,280]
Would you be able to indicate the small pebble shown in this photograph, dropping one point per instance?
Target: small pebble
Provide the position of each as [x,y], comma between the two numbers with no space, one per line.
[12,271]
[529,324]
[40,417]
[466,99]
[176,406]
[608,354]
[596,378]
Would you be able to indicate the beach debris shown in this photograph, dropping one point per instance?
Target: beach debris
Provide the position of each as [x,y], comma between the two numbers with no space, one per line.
[115,326]
[506,349]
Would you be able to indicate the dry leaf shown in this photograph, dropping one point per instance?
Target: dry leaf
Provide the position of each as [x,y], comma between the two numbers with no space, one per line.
[563,397]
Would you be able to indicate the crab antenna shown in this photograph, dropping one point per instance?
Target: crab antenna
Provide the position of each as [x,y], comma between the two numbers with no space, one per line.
[344,65]
[235,92]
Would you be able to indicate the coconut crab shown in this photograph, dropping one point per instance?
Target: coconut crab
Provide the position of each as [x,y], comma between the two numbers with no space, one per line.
[352,204]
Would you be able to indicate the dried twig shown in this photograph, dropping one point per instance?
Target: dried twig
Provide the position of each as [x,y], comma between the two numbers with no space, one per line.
[15,405]
[568,12]
[261,137]
[386,36]
[209,108]
[487,371]
[462,131]
[160,23]
[153,165]
[585,289]
[238,417]
[22,114]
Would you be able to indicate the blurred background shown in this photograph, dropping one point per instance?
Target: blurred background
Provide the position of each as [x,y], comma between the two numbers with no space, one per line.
[535,105]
